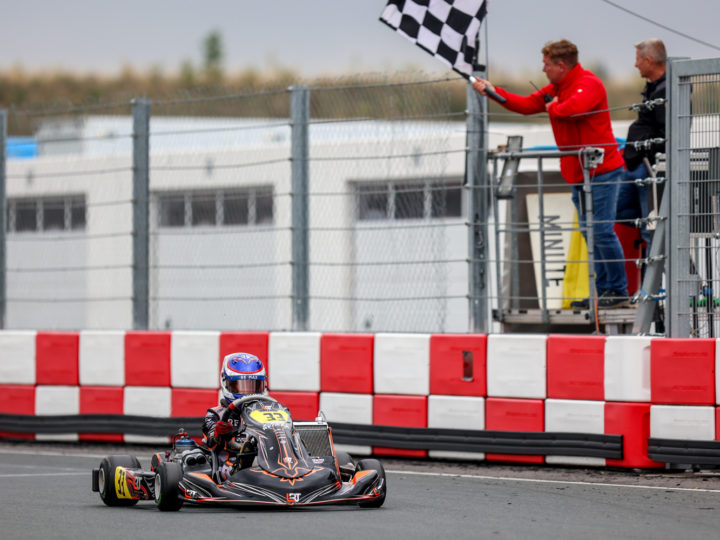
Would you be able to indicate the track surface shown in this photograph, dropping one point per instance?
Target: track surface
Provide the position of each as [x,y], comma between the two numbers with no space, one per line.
[45,493]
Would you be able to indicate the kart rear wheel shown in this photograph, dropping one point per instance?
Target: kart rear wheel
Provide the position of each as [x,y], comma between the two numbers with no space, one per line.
[373,465]
[167,493]
[106,479]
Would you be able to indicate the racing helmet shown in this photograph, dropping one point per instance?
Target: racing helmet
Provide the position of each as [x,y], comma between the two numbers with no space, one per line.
[242,374]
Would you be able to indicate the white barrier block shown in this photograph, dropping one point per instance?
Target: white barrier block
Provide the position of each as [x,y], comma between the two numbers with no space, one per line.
[575,416]
[456,412]
[195,359]
[17,357]
[147,401]
[682,422]
[401,364]
[350,409]
[294,361]
[102,358]
[517,366]
[57,401]
[627,368]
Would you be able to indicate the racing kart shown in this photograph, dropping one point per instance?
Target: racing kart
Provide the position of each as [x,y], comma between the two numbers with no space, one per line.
[285,464]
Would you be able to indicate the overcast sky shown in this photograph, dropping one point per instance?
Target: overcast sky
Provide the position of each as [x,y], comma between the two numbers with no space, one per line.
[314,37]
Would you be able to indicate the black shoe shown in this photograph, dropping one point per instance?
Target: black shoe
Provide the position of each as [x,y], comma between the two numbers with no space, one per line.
[580,304]
[613,300]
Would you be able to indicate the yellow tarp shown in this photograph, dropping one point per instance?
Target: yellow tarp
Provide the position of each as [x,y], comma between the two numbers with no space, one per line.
[576,283]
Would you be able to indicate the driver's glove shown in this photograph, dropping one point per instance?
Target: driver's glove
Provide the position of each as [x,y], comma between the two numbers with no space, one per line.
[223,430]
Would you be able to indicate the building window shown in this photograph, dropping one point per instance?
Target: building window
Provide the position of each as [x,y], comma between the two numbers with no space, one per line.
[203,209]
[172,211]
[373,202]
[409,200]
[46,214]
[216,208]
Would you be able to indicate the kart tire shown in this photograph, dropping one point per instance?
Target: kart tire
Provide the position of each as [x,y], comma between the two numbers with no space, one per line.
[106,479]
[167,477]
[373,465]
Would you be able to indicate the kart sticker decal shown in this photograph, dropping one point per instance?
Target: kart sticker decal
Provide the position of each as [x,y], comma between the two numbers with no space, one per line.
[121,487]
[270,417]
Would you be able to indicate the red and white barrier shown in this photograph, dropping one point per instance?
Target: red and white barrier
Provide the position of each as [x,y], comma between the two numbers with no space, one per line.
[17,357]
[627,368]
[575,416]
[295,361]
[516,366]
[456,412]
[637,387]
[194,359]
[56,401]
[402,364]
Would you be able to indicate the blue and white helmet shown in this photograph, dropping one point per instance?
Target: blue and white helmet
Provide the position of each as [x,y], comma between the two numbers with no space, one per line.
[242,374]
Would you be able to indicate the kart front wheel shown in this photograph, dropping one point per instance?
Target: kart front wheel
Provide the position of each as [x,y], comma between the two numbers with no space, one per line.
[107,479]
[167,493]
[374,465]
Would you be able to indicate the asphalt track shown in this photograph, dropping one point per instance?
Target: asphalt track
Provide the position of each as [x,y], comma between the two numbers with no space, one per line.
[45,493]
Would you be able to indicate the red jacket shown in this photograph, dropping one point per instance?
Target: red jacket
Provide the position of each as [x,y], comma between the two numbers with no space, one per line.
[580,91]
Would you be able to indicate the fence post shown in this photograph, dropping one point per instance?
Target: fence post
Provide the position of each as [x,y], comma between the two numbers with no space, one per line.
[141,220]
[299,162]
[476,180]
[3,218]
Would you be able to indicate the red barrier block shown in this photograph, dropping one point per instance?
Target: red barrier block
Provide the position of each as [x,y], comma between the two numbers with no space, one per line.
[17,399]
[346,363]
[717,423]
[509,414]
[192,401]
[397,410]
[632,421]
[249,342]
[302,405]
[101,400]
[632,246]
[576,367]
[458,365]
[682,371]
[147,358]
[56,358]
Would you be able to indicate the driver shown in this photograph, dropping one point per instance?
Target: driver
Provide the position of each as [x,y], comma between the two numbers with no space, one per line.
[241,374]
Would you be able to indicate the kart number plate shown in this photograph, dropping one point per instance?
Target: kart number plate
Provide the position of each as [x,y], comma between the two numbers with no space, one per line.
[270,417]
[121,487]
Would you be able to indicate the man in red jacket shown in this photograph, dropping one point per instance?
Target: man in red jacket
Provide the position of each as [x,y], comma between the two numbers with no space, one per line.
[576,102]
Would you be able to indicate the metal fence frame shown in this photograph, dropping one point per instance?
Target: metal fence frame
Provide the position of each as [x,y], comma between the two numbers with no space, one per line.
[299,119]
[673,234]
[679,275]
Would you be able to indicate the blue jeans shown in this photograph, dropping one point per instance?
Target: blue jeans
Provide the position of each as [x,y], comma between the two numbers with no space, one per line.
[633,201]
[608,253]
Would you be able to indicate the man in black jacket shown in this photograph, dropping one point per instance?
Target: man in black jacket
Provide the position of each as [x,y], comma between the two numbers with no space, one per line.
[650,59]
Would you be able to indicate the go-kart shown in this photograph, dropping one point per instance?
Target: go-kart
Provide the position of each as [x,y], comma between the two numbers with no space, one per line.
[279,463]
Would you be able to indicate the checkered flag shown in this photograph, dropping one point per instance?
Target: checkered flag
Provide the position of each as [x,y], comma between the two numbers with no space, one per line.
[447,29]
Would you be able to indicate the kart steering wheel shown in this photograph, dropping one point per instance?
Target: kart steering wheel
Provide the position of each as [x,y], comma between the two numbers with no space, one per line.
[234,409]
[236,406]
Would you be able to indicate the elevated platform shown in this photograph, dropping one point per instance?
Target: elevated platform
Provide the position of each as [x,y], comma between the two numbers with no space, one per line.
[610,321]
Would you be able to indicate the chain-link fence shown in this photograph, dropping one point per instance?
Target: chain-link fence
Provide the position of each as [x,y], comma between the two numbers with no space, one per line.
[345,216]
[357,207]
[694,167]
[69,239]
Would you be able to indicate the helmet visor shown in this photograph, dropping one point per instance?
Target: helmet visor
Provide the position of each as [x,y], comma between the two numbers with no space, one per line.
[247,386]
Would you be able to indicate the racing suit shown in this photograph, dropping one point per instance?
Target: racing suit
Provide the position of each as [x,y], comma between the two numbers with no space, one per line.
[219,445]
